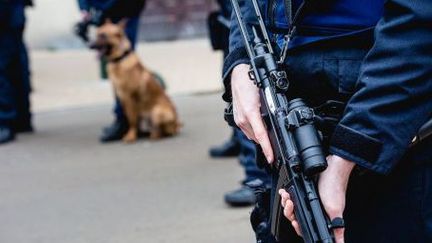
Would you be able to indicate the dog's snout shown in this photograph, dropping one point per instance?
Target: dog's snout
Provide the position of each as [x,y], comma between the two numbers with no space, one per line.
[102,37]
[93,45]
[101,40]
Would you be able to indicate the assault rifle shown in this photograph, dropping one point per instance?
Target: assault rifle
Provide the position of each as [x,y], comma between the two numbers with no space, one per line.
[299,156]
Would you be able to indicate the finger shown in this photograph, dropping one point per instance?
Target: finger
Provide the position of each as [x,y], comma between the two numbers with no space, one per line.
[261,135]
[284,193]
[339,235]
[296,227]
[289,205]
[289,210]
[284,196]
[242,123]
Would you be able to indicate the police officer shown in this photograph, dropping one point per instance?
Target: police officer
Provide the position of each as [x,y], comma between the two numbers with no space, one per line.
[219,24]
[377,59]
[15,116]
[116,10]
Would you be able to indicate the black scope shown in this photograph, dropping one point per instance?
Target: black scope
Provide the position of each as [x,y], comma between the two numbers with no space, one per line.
[308,142]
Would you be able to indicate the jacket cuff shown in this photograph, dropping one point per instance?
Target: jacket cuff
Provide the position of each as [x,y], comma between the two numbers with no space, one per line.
[234,58]
[359,148]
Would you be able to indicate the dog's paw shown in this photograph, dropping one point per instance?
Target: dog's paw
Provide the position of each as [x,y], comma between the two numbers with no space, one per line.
[130,137]
[155,135]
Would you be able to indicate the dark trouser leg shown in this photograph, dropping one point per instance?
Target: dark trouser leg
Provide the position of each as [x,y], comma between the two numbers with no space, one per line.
[247,159]
[245,196]
[23,89]
[8,110]
[427,203]
[132,30]
[118,111]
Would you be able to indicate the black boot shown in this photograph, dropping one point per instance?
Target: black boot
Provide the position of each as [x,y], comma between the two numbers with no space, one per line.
[6,135]
[23,127]
[229,149]
[243,196]
[115,131]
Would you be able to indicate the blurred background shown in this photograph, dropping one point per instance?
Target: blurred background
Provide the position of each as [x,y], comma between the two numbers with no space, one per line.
[172,36]
[60,184]
[162,20]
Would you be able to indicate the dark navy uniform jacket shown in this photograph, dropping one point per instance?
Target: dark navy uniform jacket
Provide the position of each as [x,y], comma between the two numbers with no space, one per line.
[114,8]
[12,13]
[226,7]
[98,4]
[393,94]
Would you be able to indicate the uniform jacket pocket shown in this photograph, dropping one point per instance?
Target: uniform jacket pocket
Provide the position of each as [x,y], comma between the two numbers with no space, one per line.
[343,73]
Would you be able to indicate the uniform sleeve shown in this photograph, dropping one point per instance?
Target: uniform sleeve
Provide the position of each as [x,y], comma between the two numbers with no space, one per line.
[237,51]
[393,95]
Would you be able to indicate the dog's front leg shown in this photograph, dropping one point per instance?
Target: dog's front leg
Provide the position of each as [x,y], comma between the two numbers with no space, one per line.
[131,110]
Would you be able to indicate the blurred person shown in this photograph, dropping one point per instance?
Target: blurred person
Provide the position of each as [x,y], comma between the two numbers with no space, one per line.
[238,145]
[218,24]
[15,115]
[115,10]
[245,195]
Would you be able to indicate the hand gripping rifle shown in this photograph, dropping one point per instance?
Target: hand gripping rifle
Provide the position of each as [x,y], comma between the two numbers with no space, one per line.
[299,157]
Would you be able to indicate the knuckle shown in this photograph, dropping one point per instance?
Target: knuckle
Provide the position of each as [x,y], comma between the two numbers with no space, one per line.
[242,122]
[239,120]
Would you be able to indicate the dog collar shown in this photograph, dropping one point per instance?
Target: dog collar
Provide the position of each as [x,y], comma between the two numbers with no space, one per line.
[121,57]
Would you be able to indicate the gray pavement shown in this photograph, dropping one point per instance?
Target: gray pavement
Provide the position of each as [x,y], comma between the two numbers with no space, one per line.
[61,185]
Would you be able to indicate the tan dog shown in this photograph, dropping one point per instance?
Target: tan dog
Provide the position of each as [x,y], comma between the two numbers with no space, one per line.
[140,94]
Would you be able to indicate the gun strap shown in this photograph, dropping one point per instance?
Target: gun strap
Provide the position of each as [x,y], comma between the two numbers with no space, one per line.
[293,21]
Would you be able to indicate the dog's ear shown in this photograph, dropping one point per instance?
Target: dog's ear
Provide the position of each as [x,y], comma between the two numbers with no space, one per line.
[122,23]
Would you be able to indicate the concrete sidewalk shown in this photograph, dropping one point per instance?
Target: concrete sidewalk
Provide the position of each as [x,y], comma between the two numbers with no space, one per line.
[70,78]
[60,185]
